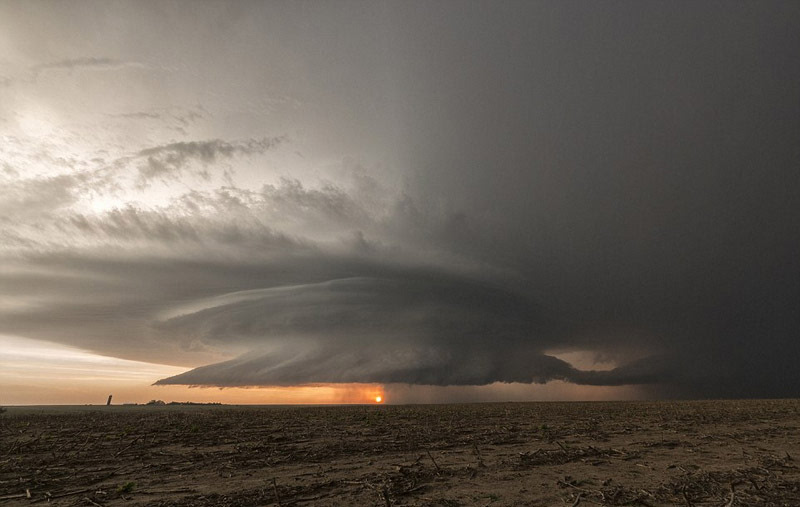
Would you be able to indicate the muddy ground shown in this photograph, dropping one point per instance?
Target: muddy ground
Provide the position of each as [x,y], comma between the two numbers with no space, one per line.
[629,453]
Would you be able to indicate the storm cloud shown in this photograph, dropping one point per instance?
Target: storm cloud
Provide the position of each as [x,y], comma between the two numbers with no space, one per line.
[446,194]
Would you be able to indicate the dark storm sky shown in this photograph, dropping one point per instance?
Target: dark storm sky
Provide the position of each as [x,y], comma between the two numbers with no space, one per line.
[433,193]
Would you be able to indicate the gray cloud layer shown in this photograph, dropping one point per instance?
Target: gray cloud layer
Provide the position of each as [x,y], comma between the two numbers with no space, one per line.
[619,180]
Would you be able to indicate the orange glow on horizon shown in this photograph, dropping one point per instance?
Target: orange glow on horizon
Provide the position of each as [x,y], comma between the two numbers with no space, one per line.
[78,393]
[34,372]
[378,399]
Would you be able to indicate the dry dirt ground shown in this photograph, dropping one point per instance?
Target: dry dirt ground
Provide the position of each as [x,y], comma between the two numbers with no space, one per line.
[718,453]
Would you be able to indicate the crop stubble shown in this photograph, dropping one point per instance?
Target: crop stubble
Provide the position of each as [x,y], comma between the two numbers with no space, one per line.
[626,453]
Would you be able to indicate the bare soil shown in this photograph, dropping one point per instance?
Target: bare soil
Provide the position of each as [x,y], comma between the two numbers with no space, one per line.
[708,453]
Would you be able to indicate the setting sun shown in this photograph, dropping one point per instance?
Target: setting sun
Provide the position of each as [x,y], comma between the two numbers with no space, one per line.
[378,399]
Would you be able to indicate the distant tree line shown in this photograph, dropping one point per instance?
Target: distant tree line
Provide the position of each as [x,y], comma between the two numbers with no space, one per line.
[161,402]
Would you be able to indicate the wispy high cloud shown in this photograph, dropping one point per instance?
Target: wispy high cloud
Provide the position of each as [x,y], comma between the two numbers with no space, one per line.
[86,62]
[170,160]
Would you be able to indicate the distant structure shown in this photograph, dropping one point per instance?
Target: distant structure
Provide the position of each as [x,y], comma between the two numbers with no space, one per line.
[109,399]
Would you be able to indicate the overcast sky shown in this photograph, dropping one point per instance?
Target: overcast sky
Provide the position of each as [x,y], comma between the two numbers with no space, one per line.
[604,196]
